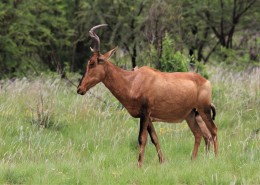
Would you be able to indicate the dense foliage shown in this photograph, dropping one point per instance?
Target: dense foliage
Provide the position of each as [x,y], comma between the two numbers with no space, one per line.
[47,35]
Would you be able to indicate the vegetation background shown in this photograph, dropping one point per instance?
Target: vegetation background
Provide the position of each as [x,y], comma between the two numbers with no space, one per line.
[50,135]
[52,35]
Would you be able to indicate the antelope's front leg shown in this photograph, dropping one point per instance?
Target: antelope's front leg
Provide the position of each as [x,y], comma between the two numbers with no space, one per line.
[155,141]
[142,138]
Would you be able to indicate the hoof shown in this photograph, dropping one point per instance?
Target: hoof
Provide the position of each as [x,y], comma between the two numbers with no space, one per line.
[139,164]
[161,160]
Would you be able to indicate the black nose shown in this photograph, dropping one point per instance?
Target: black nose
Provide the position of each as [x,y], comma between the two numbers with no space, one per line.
[80,92]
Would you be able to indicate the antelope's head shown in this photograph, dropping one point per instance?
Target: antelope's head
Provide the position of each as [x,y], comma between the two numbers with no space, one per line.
[95,71]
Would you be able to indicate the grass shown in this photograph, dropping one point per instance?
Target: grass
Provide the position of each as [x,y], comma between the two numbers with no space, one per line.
[51,135]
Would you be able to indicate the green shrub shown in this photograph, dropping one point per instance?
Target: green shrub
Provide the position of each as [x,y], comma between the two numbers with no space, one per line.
[175,61]
[172,60]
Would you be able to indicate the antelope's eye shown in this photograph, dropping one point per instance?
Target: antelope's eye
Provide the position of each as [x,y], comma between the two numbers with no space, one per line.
[92,64]
[100,60]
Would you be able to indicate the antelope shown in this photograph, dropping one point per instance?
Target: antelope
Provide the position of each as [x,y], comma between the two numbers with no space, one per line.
[154,96]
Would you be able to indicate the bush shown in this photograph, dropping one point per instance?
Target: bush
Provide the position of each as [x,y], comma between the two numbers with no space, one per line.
[175,61]
[171,60]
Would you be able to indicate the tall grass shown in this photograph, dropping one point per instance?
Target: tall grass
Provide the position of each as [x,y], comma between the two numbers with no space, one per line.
[91,139]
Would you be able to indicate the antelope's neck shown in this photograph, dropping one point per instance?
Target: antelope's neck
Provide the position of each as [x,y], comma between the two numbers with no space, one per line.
[119,82]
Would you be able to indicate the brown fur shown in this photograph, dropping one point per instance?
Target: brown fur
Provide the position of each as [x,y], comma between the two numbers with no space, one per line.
[153,96]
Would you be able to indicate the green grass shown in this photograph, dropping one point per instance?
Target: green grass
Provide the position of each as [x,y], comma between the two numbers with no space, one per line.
[87,141]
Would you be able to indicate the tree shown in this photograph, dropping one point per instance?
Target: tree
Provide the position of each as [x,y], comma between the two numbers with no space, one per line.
[44,35]
[211,24]
[224,23]
[127,18]
[155,26]
[35,36]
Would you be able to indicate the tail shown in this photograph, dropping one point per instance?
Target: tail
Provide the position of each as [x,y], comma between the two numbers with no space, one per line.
[213,108]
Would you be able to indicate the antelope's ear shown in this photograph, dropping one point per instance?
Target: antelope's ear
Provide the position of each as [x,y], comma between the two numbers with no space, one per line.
[107,55]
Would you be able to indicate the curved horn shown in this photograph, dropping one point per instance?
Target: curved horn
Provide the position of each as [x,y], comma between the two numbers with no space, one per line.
[95,38]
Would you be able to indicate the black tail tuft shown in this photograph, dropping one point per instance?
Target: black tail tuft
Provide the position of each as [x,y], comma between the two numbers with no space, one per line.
[213,108]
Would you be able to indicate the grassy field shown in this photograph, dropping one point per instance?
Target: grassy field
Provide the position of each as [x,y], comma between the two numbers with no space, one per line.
[51,135]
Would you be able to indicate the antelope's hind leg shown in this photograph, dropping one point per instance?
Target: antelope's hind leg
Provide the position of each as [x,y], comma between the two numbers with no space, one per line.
[205,114]
[196,132]
[204,130]
[199,130]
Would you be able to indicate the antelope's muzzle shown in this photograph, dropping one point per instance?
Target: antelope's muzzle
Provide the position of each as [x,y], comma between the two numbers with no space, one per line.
[81,91]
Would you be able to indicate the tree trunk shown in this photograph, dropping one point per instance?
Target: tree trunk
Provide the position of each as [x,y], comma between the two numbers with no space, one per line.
[134,55]
[74,47]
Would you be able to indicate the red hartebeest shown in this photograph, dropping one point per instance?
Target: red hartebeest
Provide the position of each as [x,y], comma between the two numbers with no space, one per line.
[153,96]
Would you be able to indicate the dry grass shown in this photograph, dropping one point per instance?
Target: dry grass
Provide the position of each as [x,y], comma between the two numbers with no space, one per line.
[91,140]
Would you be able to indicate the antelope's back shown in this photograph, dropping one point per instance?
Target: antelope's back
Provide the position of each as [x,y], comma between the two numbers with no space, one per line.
[153,75]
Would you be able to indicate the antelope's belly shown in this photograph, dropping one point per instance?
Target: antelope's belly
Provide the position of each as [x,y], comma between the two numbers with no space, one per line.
[167,120]
[172,118]
[170,114]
